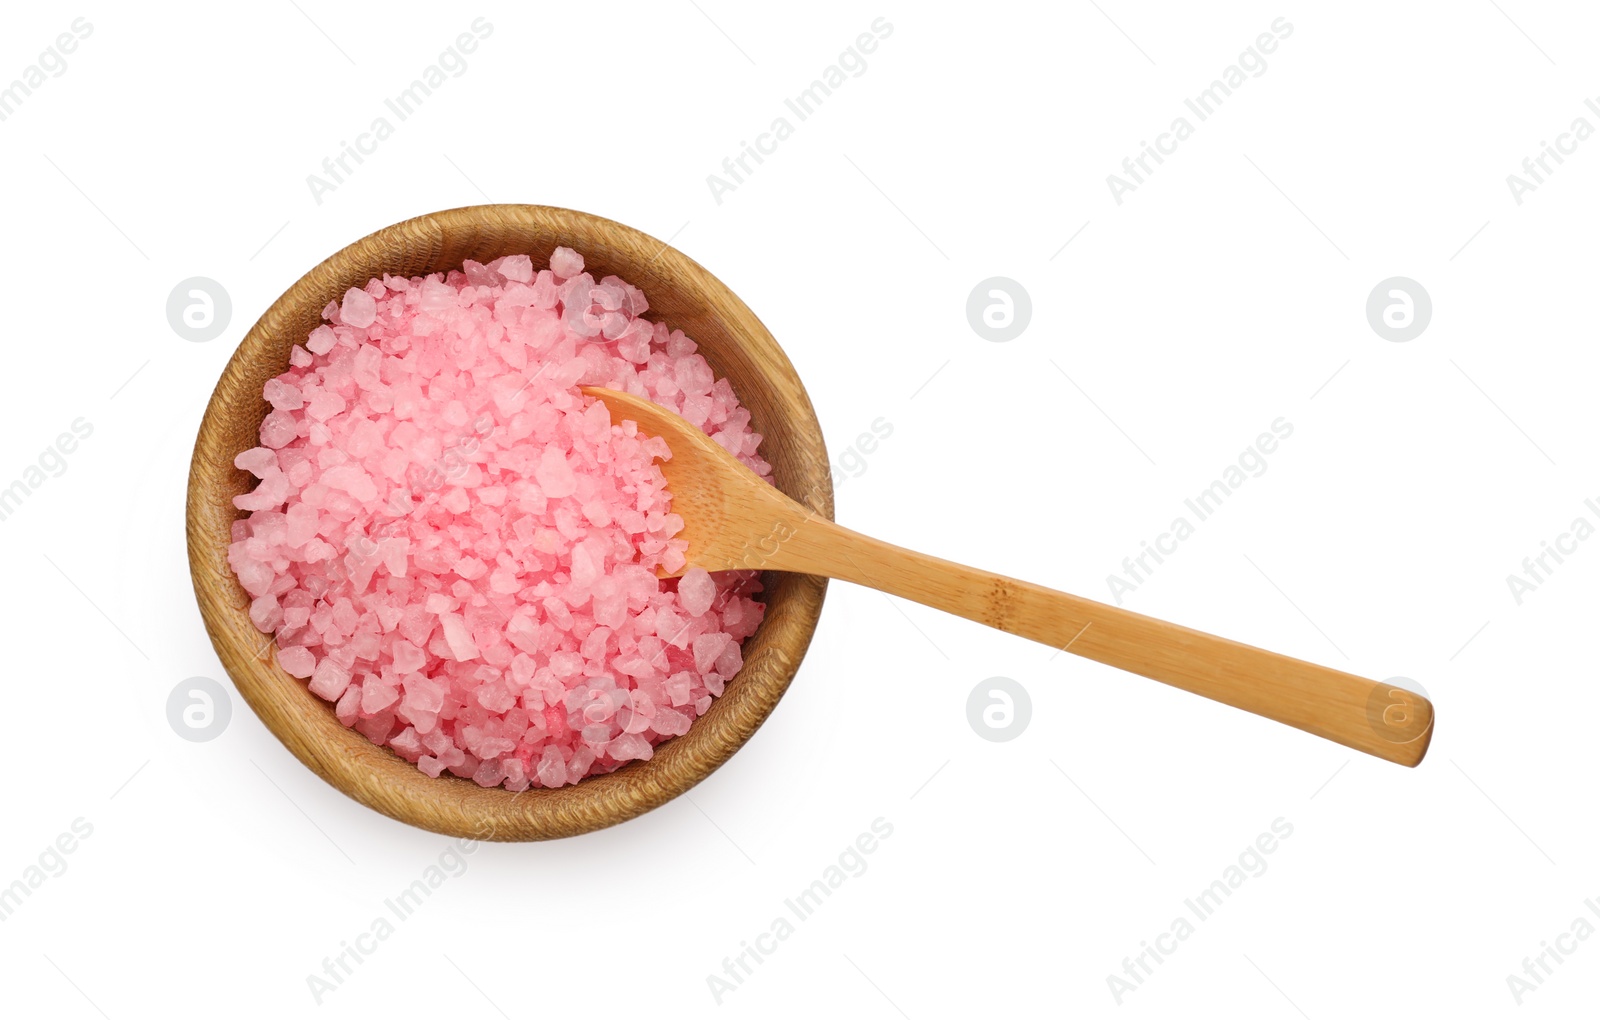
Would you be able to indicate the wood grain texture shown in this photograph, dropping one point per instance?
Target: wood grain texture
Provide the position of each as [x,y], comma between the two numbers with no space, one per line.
[733,519]
[682,294]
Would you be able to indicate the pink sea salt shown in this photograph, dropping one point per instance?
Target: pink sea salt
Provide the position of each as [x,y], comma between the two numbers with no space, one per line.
[696,591]
[458,549]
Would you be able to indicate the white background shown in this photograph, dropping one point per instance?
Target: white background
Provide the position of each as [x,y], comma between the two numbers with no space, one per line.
[1227,291]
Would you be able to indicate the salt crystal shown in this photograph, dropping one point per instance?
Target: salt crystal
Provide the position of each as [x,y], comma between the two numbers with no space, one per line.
[489,773]
[256,461]
[696,591]
[302,525]
[407,657]
[297,661]
[457,636]
[321,340]
[707,647]
[278,429]
[348,708]
[578,767]
[554,474]
[670,722]
[329,680]
[376,697]
[566,263]
[552,768]
[731,660]
[358,309]
[628,747]
[324,404]
[516,267]
[407,744]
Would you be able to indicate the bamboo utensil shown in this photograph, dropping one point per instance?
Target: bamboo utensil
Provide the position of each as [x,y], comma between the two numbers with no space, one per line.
[734,519]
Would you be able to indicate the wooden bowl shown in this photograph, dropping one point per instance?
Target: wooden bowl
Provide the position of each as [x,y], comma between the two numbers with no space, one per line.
[681,293]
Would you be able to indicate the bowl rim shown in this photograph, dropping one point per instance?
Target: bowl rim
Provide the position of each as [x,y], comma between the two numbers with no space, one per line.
[376,776]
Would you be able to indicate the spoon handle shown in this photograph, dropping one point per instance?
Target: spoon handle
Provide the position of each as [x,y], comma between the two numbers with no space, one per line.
[1379,719]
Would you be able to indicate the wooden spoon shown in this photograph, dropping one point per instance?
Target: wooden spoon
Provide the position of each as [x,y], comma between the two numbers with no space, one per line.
[733,519]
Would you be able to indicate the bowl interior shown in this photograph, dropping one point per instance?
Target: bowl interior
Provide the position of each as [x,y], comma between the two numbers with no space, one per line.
[682,294]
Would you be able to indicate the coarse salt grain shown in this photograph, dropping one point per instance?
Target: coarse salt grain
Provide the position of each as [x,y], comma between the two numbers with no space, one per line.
[459,549]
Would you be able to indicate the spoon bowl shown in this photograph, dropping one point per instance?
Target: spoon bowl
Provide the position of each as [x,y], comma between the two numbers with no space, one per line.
[682,294]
